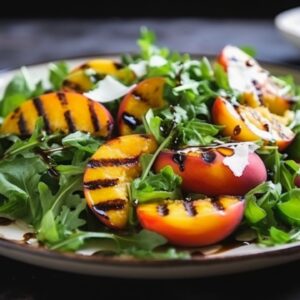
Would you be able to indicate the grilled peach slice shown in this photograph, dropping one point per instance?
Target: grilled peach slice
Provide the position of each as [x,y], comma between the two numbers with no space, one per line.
[243,123]
[80,81]
[147,94]
[193,223]
[110,169]
[254,83]
[204,171]
[62,112]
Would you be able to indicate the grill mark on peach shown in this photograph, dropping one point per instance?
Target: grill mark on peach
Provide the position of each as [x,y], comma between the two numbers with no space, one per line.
[93,116]
[190,208]
[217,204]
[118,65]
[145,136]
[103,207]
[100,183]
[113,162]
[62,98]
[72,85]
[38,104]
[84,66]
[15,113]
[22,125]
[69,121]
[162,209]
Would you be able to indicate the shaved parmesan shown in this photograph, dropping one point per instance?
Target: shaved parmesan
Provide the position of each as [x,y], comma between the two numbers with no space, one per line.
[240,75]
[108,89]
[140,68]
[157,61]
[240,158]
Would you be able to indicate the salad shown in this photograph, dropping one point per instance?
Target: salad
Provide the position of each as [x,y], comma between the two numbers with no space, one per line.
[153,155]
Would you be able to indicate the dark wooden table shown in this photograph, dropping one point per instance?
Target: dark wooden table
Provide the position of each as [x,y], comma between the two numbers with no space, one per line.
[26,42]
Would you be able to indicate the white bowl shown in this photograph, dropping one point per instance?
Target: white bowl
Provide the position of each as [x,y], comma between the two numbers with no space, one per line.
[288,23]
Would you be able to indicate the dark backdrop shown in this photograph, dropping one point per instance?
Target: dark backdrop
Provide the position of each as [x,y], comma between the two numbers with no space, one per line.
[146,8]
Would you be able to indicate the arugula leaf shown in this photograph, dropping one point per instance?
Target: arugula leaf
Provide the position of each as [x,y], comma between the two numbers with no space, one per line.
[289,207]
[146,42]
[273,216]
[163,185]
[19,89]
[197,133]
[221,77]
[23,146]
[278,236]
[144,240]
[254,213]
[283,171]
[290,88]
[193,132]
[260,204]
[57,73]
[251,51]
[142,245]
[58,220]
[207,71]
[18,181]
[153,125]
[82,141]
[71,170]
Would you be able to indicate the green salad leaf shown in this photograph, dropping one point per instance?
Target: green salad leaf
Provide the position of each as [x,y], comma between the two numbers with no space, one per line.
[283,171]
[57,73]
[82,141]
[19,89]
[60,211]
[163,185]
[289,207]
[19,179]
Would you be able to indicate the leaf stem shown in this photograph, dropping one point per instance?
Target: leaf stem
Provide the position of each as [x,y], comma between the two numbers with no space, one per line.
[161,146]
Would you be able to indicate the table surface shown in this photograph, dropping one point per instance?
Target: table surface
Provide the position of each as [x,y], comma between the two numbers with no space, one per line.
[27,42]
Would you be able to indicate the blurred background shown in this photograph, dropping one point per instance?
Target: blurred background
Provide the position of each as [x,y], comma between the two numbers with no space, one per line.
[53,31]
[212,9]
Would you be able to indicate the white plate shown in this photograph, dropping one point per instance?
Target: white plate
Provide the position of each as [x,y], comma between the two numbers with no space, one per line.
[207,261]
[288,23]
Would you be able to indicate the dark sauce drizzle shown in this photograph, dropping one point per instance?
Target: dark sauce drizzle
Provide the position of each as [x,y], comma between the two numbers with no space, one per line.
[5,221]
[179,159]
[49,161]
[208,156]
[130,120]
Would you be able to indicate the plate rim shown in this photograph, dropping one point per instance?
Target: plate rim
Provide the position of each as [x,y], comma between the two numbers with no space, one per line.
[118,261]
[195,55]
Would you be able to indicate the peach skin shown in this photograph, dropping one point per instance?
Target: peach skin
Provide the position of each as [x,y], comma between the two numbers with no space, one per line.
[193,223]
[203,171]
